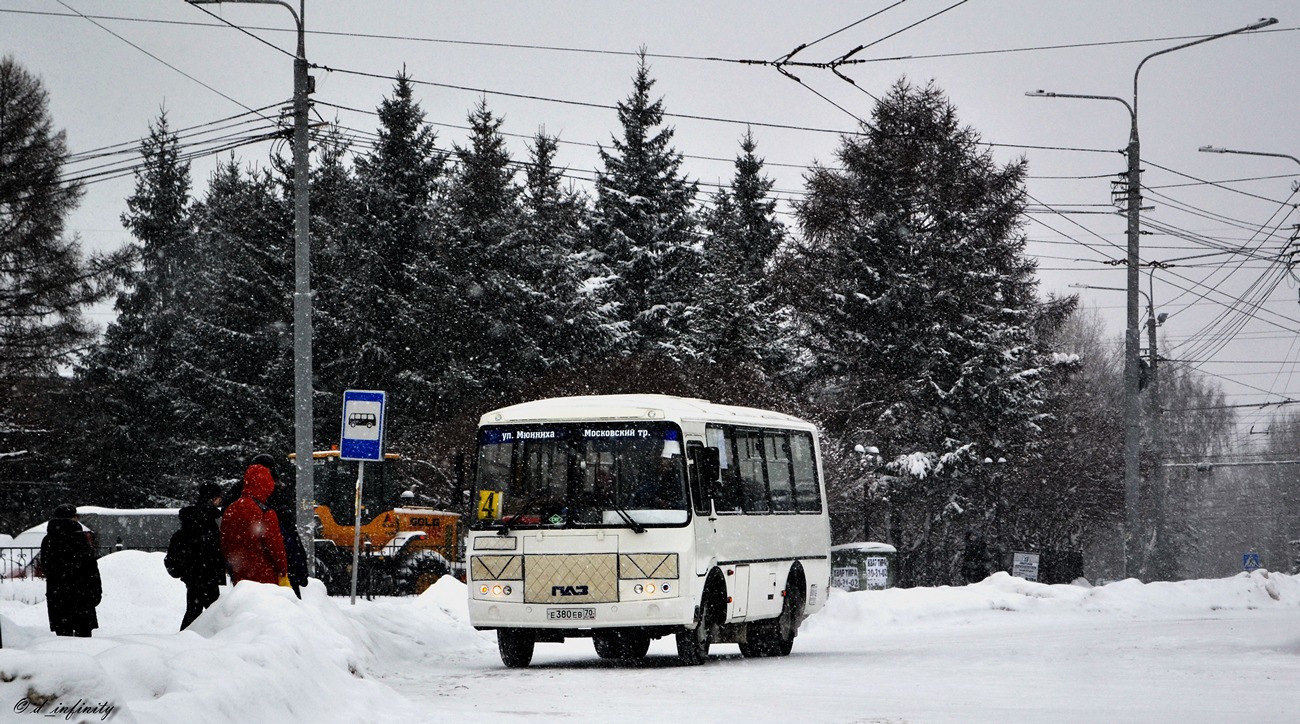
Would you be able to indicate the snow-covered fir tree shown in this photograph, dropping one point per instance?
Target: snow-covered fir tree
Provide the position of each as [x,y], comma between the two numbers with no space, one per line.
[554,221]
[916,309]
[737,327]
[235,368]
[645,230]
[132,439]
[47,282]
[394,226]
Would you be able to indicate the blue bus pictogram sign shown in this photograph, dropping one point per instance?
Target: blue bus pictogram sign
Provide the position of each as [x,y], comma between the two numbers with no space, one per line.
[363,425]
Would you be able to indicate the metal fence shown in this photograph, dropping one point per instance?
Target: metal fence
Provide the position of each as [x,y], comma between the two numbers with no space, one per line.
[18,563]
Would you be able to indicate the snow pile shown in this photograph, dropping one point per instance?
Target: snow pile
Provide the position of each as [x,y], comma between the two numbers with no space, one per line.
[258,654]
[1002,592]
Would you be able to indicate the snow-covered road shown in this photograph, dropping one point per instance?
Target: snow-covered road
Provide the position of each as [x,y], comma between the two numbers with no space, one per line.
[1225,666]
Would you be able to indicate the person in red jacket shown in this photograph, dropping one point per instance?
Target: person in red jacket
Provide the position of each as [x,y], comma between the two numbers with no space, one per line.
[250,533]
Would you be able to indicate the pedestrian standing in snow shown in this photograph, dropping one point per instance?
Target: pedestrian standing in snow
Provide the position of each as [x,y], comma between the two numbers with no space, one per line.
[282,502]
[250,533]
[194,553]
[72,584]
[974,558]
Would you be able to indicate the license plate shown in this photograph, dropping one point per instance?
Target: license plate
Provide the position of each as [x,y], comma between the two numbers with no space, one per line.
[570,614]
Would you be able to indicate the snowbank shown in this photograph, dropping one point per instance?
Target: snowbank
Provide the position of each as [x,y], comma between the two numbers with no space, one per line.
[1002,592]
[257,655]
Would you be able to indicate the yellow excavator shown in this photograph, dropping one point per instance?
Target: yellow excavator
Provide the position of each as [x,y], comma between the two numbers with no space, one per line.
[404,547]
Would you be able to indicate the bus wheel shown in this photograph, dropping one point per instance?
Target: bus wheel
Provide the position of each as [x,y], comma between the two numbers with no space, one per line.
[775,637]
[516,647]
[693,644]
[624,645]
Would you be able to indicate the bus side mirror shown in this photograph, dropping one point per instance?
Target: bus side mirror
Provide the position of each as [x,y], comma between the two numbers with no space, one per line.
[708,466]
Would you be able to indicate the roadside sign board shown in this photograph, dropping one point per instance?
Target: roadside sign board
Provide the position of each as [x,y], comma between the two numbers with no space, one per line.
[845,578]
[1025,565]
[877,573]
[1250,562]
[362,437]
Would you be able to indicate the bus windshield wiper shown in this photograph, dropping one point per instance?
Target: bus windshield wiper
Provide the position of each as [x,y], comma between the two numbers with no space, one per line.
[627,517]
[524,509]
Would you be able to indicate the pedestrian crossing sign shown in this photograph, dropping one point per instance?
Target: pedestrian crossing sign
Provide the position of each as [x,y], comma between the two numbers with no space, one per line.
[1250,561]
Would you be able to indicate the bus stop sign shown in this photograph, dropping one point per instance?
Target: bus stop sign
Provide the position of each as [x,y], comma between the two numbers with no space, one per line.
[363,426]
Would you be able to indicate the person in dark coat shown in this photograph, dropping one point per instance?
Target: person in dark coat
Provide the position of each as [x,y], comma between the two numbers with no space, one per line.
[194,554]
[250,533]
[974,558]
[72,585]
[283,501]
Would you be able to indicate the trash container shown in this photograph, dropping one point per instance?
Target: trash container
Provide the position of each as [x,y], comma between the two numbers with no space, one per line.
[867,566]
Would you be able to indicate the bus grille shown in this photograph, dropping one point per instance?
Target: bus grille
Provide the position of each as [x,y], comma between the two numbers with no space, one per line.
[571,578]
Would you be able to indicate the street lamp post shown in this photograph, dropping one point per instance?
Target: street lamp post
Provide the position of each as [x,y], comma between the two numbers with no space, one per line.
[1132,429]
[302,294]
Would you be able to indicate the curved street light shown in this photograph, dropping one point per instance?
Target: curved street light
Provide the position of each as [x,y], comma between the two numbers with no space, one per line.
[1132,344]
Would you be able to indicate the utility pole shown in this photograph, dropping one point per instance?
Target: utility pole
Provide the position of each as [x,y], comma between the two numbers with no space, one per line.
[1161,475]
[303,417]
[304,484]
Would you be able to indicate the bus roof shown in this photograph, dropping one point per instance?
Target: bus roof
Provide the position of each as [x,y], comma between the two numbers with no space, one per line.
[637,407]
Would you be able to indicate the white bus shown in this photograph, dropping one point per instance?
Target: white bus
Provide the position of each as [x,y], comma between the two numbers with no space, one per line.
[626,518]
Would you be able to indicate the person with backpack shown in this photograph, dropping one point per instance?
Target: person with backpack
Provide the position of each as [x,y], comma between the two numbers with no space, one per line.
[250,533]
[194,553]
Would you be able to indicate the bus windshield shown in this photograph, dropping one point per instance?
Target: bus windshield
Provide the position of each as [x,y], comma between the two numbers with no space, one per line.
[581,475]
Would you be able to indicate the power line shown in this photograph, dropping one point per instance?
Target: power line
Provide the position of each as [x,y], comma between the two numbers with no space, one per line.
[151,55]
[227,23]
[1207,183]
[624,53]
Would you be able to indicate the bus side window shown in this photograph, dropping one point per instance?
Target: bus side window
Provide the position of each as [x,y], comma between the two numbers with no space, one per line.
[749,462]
[775,453]
[728,495]
[807,492]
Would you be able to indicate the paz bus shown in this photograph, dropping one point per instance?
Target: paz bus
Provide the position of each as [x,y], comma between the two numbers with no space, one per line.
[627,518]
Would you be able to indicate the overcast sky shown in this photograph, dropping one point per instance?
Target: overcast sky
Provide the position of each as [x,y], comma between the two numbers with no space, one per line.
[563,65]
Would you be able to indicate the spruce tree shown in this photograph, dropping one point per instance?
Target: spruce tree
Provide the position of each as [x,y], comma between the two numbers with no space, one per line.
[484,343]
[45,280]
[645,229]
[393,227]
[554,231]
[738,328]
[132,444]
[46,284]
[916,306]
[235,372]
